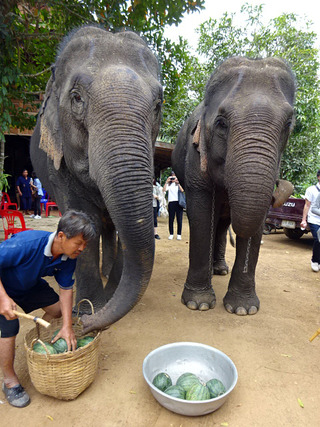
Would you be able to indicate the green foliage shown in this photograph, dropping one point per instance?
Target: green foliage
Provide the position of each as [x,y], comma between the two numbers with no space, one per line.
[288,38]
[177,67]
[31,30]
[4,185]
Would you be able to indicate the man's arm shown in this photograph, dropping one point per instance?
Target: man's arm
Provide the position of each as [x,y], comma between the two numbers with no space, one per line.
[306,208]
[66,332]
[6,304]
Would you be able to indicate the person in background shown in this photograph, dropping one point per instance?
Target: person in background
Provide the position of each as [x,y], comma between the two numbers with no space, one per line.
[24,190]
[313,220]
[155,205]
[25,259]
[172,186]
[38,193]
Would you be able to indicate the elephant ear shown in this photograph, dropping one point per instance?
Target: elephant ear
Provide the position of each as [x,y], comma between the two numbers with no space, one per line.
[199,144]
[50,133]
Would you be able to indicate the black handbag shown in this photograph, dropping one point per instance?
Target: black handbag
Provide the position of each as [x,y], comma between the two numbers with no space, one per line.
[182,199]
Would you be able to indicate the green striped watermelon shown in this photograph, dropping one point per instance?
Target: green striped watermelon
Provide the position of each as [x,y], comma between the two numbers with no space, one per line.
[187,380]
[162,381]
[176,391]
[216,388]
[198,392]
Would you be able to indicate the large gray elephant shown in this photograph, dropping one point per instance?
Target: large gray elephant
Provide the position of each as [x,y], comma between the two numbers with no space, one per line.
[227,158]
[93,149]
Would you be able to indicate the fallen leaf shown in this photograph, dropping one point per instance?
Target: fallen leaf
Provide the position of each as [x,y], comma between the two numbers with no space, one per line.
[49,417]
[286,355]
[300,403]
[224,424]
[132,392]
[173,294]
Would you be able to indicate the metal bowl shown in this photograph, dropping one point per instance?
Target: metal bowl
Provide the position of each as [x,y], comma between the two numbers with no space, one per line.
[202,360]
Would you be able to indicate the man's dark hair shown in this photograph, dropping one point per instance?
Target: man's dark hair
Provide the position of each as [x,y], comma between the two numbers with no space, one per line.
[73,223]
[318,173]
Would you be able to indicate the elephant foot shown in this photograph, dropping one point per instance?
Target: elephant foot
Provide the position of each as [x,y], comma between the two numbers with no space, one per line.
[241,305]
[202,300]
[220,268]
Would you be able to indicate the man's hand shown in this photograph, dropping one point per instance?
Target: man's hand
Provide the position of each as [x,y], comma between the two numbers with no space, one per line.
[67,333]
[6,306]
[303,224]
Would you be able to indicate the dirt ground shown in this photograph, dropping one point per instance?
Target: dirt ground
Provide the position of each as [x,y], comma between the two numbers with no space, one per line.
[277,365]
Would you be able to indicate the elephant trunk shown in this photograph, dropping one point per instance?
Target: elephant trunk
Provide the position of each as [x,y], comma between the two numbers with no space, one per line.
[251,169]
[123,150]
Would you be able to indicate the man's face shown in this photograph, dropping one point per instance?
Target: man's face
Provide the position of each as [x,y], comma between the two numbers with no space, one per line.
[25,174]
[72,247]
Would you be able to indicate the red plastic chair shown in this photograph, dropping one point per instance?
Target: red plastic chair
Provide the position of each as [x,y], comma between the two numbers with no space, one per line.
[6,202]
[51,205]
[13,222]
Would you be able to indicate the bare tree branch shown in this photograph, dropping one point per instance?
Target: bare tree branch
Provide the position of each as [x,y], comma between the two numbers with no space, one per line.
[37,74]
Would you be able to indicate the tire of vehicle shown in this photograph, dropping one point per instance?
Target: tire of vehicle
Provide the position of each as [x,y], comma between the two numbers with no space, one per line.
[267,229]
[293,233]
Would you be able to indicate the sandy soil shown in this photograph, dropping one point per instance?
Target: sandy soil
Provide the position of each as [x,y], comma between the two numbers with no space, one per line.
[277,365]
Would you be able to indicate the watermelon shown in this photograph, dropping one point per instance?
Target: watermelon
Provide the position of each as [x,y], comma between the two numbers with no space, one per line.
[81,342]
[54,334]
[176,391]
[187,380]
[60,345]
[198,392]
[39,348]
[162,381]
[216,388]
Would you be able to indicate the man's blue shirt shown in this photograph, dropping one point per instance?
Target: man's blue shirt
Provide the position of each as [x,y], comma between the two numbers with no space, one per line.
[26,257]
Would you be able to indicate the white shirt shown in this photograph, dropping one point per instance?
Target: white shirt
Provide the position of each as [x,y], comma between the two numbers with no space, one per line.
[311,194]
[172,190]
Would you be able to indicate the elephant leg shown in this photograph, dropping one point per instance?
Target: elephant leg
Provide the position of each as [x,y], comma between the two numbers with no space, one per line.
[241,297]
[109,246]
[198,293]
[220,266]
[115,274]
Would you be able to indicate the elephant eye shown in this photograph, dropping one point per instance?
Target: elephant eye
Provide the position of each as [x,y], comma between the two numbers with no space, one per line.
[157,106]
[221,126]
[221,122]
[77,102]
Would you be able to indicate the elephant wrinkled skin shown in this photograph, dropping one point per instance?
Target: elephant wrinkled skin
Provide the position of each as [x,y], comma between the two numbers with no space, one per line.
[93,149]
[227,158]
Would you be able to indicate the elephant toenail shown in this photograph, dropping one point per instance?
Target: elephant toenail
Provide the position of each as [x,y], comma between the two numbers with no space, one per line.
[241,311]
[229,308]
[213,304]
[252,310]
[192,305]
[204,306]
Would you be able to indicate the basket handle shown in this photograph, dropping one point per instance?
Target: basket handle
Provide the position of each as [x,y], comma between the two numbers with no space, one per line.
[78,308]
[41,342]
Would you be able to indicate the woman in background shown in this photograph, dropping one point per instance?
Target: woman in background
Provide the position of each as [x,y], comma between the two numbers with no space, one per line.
[37,193]
[173,186]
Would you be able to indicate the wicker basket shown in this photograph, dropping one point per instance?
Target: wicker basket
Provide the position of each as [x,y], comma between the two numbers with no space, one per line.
[64,375]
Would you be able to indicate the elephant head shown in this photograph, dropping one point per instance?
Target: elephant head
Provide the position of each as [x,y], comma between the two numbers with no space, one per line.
[98,126]
[244,127]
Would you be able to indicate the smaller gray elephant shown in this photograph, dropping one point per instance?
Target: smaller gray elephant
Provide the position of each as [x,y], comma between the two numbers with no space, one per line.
[227,158]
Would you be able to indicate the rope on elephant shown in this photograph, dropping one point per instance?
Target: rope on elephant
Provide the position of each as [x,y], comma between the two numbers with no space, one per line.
[246,262]
[211,236]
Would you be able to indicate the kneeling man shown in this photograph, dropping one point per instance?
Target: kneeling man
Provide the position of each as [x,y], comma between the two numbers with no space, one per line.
[24,260]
